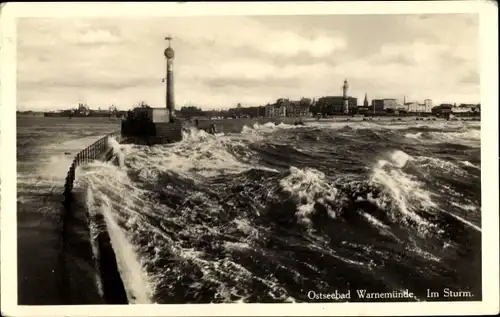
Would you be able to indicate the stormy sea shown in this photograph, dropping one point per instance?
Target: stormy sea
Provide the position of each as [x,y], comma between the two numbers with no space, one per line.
[275,211]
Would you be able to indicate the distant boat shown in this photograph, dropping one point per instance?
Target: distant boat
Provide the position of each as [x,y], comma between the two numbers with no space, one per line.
[61,113]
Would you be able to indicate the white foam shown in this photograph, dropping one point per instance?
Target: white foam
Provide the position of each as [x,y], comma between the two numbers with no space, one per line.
[465,207]
[129,266]
[374,221]
[105,185]
[405,190]
[198,154]
[468,223]
[94,232]
[468,137]
[400,158]
[203,154]
[426,255]
[469,164]
[413,135]
[434,162]
[267,127]
[309,186]
[55,167]
[118,155]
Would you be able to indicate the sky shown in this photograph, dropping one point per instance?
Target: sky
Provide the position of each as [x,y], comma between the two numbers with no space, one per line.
[252,60]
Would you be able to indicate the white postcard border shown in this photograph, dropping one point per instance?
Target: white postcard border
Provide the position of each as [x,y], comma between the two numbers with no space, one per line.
[489,151]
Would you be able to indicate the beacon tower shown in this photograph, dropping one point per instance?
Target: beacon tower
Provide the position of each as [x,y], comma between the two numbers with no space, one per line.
[345,97]
[169,86]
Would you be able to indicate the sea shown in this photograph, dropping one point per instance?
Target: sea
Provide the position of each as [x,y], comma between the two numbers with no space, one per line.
[272,212]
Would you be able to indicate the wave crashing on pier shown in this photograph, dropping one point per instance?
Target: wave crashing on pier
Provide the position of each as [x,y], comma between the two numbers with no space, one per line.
[275,211]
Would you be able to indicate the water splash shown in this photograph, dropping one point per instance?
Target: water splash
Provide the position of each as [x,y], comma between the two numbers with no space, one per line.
[178,214]
[136,281]
[406,192]
[309,186]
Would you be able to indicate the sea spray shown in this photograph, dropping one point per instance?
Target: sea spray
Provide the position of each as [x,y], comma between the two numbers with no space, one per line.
[55,168]
[266,128]
[118,155]
[131,271]
[94,230]
[405,191]
[199,152]
[308,186]
[198,213]
[100,193]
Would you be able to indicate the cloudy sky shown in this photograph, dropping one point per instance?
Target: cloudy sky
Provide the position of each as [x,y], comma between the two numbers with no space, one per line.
[221,61]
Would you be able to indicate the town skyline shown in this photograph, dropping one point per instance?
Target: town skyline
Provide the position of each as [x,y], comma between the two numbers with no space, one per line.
[104,62]
[360,102]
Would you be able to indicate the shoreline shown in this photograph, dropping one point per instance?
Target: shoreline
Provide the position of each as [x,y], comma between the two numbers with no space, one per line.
[308,118]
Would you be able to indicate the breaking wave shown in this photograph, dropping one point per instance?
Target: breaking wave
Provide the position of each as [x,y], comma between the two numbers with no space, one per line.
[269,213]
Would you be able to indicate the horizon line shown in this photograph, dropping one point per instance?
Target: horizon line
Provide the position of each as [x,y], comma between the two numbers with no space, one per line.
[218,108]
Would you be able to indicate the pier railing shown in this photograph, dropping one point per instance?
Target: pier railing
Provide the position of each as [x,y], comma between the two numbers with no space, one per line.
[113,290]
[91,153]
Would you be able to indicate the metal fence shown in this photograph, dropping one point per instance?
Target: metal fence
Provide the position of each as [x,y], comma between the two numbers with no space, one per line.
[113,289]
[91,153]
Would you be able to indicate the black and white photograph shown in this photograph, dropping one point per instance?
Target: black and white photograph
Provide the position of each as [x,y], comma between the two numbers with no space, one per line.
[270,155]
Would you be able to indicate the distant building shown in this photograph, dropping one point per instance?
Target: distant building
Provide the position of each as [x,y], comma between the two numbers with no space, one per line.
[460,110]
[335,104]
[280,111]
[385,104]
[428,105]
[363,110]
[402,107]
[476,108]
[365,102]
[281,106]
[160,114]
[286,108]
[416,107]
[270,110]
[299,108]
[277,109]
[463,108]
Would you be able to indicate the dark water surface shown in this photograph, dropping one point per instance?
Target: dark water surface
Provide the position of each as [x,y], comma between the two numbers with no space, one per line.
[273,212]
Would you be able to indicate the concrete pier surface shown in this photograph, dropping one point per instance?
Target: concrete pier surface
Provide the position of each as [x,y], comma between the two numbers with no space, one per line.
[50,273]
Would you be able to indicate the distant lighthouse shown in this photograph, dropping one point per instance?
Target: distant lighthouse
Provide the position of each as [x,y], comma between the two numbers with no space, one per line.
[346,97]
[169,93]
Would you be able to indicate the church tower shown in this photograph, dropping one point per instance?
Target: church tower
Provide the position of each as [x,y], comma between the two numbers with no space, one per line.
[365,103]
